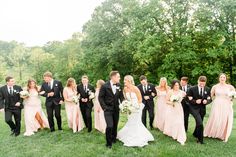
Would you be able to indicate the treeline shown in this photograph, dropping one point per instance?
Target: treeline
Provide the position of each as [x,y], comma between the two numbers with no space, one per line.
[170,38]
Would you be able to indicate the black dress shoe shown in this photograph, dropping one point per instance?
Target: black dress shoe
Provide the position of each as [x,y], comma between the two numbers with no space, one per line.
[59,128]
[200,142]
[52,130]
[12,132]
[108,146]
[17,134]
[89,130]
[114,141]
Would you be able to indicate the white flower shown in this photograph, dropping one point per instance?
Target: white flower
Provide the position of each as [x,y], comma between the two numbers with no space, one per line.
[232,94]
[24,94]
[75,99]
[174,98]
[128,107]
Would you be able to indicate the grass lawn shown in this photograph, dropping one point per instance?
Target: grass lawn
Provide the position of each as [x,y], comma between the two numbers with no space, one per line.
[83,144]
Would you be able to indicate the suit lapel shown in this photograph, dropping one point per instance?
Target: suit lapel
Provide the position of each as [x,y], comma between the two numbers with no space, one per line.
[6,90]
[109,87]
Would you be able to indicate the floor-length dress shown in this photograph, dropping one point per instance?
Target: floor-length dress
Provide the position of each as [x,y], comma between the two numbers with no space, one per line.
[160,110]
[33,114]
[99,119]
[73,113]
[220,122]
[134,133]
[174,121]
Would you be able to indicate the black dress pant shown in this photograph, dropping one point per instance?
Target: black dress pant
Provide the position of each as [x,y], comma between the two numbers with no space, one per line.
[86,110]
[52,109]
[149,107]
[16,113]
[112,119]
[198,113]
[186,114]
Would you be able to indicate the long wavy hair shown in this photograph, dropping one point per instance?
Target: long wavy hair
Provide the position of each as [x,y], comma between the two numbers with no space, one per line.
[29,82]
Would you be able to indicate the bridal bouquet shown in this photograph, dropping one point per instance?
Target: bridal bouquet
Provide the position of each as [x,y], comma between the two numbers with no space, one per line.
[232,94]
[24,94]
[128,107]
[174,99]
[75,99]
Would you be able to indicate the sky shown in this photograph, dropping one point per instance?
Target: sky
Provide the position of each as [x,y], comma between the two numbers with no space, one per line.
[35,22]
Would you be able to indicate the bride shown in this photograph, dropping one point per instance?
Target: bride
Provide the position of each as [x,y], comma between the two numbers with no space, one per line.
[134,133]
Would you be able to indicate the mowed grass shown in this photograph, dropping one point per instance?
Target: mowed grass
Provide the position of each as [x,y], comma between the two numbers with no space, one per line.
[83,144]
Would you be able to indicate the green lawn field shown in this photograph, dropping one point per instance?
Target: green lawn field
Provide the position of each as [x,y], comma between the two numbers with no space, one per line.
[67,144]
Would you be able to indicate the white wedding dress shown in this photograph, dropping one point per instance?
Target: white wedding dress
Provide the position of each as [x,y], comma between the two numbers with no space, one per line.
[134,133]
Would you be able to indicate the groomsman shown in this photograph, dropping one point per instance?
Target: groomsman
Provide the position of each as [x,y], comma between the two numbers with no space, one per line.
[53,91]
[86,104]
[185,103]
[148,92]
[12,102]
[199,96]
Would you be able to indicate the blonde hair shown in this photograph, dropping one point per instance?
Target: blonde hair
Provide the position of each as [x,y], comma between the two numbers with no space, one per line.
[47,74]
[166,85]
[100,83]
[130,79]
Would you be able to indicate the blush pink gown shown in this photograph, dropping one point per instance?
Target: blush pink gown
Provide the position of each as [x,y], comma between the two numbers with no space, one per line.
[174,122]
[220,122]
[160,110]
[32,107]
[100,123]
[73,113]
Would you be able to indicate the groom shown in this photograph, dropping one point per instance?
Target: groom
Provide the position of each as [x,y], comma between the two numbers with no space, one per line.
[10,99]
[110,96]
[53,91]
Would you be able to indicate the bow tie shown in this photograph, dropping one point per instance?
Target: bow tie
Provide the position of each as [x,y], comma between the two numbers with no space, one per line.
[115,84]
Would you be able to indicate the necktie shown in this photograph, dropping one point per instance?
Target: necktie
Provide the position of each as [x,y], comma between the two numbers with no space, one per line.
[144,89]
[85,88]
[11,91]
[49,85]
[201,92]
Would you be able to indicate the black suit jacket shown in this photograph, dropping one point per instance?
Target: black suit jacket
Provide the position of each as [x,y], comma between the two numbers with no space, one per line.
[108,100]
[85,94]
[58,92]
[185,99]
[8,101]
[150,89]
[194,92]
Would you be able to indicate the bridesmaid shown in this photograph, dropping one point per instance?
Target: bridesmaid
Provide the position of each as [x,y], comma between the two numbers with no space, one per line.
[73,113]
[100,123]
[34,117]
[220,122]
[174,119]
[161,105]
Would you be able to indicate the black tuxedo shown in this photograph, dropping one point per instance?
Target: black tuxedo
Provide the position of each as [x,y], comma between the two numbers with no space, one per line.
[198,110]
[110,104]
[8,102]
[149,104]
[86,107]
[52,103]
[185,105]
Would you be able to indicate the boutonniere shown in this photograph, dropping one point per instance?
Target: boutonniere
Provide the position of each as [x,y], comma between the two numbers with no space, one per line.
[15,91]
[117,88]
[209,98]
[205,92]
[149,87]
[56,85]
